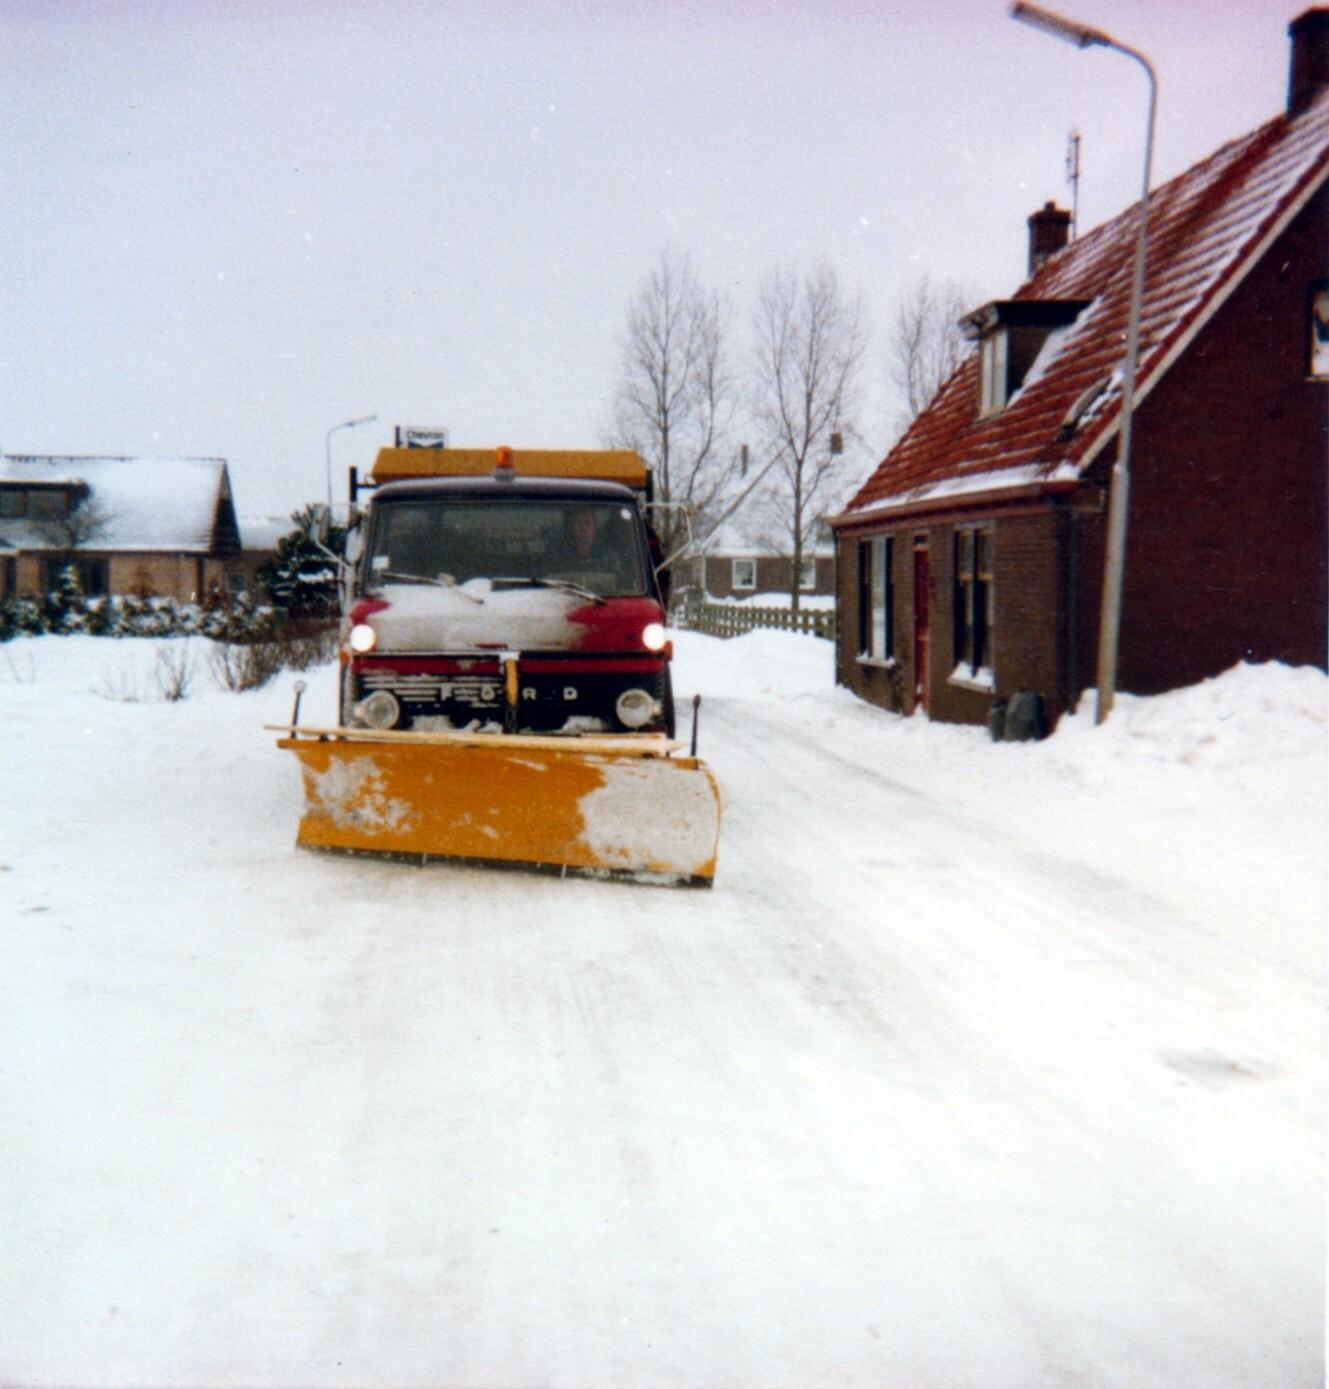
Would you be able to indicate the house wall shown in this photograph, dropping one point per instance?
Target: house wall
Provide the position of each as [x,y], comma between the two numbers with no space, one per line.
[1031,562]
[1227,541]
[185,577]
[15,569]
[773,576]
[1034,560]
[154,575]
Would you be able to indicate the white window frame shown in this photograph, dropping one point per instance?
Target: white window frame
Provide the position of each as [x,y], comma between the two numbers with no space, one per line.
[992,372]
[748,567]
[877,594]
[975,604]
[807,576]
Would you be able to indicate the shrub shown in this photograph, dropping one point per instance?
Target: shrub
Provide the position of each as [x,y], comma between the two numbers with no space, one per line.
[239,666]
[174,670]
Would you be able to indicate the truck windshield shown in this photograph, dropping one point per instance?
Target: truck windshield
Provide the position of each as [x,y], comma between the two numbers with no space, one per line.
[595,545]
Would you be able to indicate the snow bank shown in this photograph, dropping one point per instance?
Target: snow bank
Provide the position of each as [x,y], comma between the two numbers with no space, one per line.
[1249,714]
[758,665]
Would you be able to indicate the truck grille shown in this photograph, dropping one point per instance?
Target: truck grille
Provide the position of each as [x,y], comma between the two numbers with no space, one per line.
[547,702]
[469,691]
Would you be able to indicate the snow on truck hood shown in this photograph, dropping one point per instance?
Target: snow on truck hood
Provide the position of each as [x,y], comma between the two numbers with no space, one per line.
[421,617]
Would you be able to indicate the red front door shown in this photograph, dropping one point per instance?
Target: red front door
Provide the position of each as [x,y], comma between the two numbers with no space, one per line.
[921,622]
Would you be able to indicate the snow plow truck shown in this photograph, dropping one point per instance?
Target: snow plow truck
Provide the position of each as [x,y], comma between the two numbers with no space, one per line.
[505,674]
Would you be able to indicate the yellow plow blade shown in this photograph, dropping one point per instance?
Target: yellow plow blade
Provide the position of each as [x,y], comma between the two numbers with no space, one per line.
[621,805]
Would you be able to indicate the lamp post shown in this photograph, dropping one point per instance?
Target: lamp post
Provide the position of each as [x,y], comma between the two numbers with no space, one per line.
[1082,36]
[345,424]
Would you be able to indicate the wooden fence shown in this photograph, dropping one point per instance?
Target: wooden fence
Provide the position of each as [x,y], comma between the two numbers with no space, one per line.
[694,613]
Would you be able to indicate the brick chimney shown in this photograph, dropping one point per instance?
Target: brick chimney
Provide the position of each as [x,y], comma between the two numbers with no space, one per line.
[1309,70]
[1049,231]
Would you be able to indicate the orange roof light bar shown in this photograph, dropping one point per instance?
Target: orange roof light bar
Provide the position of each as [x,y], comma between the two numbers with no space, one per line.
[598,465]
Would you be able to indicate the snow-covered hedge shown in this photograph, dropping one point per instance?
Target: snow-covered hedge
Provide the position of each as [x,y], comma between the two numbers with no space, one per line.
[65,611]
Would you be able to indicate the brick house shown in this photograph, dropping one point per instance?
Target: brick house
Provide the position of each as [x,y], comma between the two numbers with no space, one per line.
[971,561]
[734,564]
[151,527]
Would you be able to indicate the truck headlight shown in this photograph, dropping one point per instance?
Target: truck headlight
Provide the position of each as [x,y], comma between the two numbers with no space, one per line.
[636,708]
[653,636]
[379,710]
[363,638]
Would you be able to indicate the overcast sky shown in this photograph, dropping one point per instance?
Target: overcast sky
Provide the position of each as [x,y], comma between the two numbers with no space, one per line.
[228,226]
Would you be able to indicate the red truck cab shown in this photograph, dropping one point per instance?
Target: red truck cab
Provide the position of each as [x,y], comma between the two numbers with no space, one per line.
[522,598]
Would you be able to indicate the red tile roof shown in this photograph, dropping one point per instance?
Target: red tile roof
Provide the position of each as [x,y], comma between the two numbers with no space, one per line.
[1207,228]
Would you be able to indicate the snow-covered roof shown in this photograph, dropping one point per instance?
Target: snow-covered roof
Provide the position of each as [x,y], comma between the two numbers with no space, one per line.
[263,532]
[148,503]
[1207,229]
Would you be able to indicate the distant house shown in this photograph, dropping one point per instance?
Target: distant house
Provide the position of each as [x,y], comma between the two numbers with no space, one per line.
[971,561]
[259,537]
[736,564]
[152,527]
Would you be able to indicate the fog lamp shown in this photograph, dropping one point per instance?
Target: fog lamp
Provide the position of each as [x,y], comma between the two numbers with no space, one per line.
[636,708]
[379,710]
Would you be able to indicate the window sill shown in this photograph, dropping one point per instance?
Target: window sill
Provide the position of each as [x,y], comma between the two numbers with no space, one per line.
[877,662]
[982,681]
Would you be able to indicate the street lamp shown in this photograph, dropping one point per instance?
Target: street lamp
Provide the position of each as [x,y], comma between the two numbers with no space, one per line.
[1082,36]
[345,424]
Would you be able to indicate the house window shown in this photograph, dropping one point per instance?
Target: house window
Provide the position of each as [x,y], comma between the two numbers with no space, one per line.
[807,575]
[1011,335]
[1319,347]
[91,574]
[235,584]
[992,351]
[973,601]
[13,503]
[11,575]
[744,574]
[876,599]
[46,505]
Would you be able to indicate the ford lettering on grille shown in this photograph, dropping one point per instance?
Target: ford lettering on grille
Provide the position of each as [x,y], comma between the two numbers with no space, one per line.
[476,691]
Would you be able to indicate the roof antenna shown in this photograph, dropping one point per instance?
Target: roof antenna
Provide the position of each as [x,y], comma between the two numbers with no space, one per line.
[1073,178]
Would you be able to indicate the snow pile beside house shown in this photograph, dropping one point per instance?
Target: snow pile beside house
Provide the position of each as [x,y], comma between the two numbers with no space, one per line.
[1250,715]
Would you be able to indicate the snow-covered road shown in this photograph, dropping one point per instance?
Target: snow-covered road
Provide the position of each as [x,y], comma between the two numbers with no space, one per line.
[979,1066]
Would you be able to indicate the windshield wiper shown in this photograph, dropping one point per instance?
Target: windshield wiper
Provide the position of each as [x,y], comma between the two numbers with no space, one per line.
[443,581]
[565,584]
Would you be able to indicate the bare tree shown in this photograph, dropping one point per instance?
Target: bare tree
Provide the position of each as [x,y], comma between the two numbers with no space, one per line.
[810,338]
[73,530]
[676,395]
[927,343]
